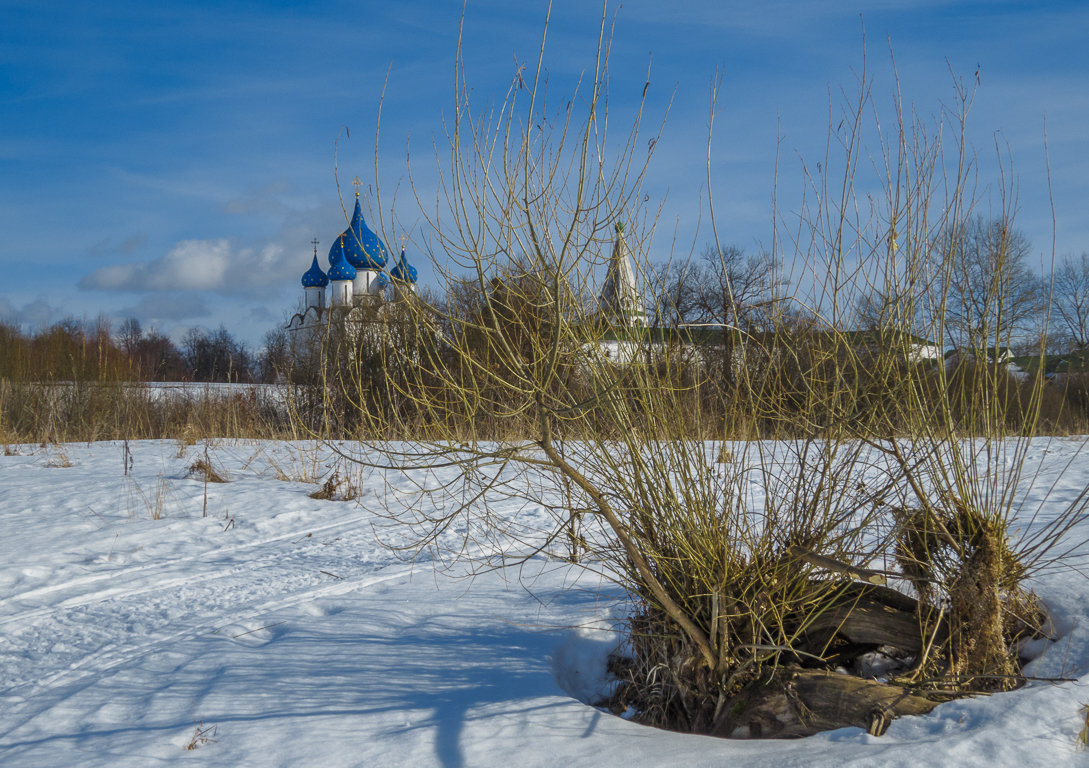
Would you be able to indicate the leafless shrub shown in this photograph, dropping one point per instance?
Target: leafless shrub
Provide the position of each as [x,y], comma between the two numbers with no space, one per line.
[741,571]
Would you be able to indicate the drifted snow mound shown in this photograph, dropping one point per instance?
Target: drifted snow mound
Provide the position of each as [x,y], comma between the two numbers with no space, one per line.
[580,659]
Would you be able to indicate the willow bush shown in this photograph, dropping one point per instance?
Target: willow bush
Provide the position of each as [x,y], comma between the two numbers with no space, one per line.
[744,560]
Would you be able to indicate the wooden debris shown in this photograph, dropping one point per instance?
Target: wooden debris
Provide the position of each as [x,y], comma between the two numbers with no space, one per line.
[800,702]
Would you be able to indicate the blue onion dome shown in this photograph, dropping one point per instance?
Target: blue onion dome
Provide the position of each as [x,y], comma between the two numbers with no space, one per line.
[363,248]
[339,268]
[403,271]
[314,277]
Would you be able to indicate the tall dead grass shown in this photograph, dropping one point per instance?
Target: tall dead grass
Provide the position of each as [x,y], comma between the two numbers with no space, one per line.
[81,411]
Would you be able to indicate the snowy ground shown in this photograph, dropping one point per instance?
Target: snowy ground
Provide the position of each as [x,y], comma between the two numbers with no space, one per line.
[141,614]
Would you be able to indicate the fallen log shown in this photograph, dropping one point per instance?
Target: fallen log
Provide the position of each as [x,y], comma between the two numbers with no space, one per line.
[801,702]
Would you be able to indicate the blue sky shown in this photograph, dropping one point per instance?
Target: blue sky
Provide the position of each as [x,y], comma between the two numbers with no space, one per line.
[171,161]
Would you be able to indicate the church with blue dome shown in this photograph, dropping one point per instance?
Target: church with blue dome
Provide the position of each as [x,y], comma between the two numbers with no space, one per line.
[362,278]
[361,273]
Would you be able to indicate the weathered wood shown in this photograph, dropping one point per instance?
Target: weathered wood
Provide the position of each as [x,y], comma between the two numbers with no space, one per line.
[801,702]
[868,614]
[869,622]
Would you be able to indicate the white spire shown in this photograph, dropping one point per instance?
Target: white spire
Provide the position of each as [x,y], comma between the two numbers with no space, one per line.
[620,298]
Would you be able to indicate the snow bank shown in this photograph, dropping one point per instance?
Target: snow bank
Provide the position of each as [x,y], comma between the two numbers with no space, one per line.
[148,612]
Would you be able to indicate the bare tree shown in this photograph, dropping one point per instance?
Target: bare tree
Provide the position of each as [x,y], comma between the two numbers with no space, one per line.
[160,359]
[989,293]
[1070,302]
[274,359]
[724,287]
[129,336]
[216,356]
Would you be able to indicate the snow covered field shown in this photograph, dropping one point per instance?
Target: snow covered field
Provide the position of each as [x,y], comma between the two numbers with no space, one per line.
[145,613]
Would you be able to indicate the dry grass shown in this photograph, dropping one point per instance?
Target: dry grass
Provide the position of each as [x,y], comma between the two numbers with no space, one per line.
[336,488]
[302,465]
[90,411]
[204,470]
[59,458]
[154,504]
[202,735]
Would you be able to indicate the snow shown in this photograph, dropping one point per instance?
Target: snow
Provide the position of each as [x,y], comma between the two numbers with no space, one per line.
[139,611]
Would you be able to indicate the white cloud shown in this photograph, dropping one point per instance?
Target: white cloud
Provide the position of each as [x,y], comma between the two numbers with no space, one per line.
[202,265]
[199,265]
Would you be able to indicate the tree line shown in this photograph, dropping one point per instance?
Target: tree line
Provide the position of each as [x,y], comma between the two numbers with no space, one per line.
[73,350]
[730,335]
[979,289]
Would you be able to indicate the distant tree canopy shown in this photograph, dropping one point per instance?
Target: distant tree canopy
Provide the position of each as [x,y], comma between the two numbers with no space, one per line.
[724,286]
[71,350]
[976,290]
[155,356]
[217,356]
[67,351]
[1070,303]
[989,291]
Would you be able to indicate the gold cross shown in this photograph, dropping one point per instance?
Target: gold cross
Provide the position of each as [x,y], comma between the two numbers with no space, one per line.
[357,184]
[403,238]
[315,242]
